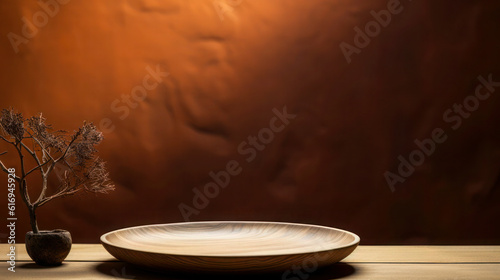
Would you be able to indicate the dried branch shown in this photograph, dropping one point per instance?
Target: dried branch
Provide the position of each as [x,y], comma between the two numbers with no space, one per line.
[77,153]
[4,169]
[33,154]
[73,139]
[24,191]
[39,166]
[45,152]
[41,131]
[60,194]
[98,178]
[6,140]
[12,123]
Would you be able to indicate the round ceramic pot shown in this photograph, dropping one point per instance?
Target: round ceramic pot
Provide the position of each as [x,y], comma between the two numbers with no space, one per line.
[48,247]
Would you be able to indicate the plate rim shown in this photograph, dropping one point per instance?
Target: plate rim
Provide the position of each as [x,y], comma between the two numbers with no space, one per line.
[355,242]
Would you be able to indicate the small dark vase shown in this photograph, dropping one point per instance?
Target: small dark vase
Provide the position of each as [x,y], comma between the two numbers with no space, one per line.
[48,247]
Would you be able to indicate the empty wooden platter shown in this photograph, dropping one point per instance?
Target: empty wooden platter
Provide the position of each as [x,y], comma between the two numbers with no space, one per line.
[229,246]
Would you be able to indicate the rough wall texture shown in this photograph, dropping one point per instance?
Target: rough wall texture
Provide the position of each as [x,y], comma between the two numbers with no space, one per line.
[229,64]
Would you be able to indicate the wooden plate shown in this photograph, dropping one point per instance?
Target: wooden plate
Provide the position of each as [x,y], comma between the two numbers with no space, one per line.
[230,246]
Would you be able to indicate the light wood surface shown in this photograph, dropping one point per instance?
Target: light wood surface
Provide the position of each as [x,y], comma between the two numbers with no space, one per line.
[92,261]
[229,246]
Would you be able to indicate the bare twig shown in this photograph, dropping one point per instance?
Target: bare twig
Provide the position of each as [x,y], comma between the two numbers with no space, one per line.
[73,139]
[4,169]
[6,140]
[22,186]
[37,167]
[54,162]
[44,151]
[59,194]
[34,155]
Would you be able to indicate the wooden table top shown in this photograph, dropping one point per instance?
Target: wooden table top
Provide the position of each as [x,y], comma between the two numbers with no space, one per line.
[91,261]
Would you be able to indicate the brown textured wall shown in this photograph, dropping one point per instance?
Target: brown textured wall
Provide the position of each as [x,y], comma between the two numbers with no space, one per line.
[229,63]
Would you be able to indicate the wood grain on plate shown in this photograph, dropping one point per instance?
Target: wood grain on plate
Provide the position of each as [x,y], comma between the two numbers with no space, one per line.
[229,246]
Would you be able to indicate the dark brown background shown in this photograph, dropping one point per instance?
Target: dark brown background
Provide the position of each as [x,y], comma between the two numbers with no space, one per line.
[228,73]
